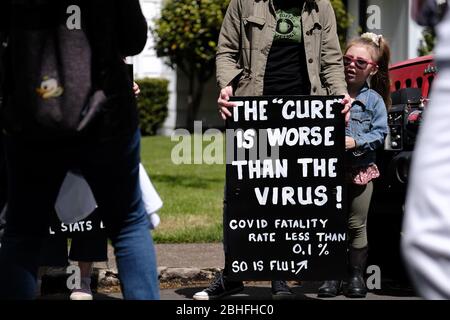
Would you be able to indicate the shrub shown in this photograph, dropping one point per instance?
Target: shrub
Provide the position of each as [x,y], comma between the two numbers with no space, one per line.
[186,36]
[152,104]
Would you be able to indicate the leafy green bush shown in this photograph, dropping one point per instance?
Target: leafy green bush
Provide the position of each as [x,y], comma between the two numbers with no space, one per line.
[426,45]
[186,36]
[152,104]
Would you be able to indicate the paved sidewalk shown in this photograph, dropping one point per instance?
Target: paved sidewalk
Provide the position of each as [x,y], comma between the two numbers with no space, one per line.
[192,255]
[187,268]
[197,255]
[186,265]
[178,263]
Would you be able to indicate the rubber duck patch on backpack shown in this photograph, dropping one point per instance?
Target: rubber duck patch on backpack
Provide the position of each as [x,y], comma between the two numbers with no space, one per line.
[55,89]
[49,89]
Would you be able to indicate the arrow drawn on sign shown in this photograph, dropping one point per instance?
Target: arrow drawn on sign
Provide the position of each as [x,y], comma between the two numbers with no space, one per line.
[302,265]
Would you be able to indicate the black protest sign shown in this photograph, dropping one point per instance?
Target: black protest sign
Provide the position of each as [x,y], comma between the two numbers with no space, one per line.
[285,214]
[87,227]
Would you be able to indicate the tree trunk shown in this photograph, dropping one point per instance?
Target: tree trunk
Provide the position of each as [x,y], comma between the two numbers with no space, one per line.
[193,102]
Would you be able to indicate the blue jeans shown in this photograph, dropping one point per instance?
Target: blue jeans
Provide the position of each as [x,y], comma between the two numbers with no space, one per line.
[36,171]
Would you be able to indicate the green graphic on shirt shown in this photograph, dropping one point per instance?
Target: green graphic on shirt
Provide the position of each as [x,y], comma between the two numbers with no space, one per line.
[289,27]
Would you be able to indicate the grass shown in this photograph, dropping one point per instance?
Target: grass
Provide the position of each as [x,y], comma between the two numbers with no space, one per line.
[192,194]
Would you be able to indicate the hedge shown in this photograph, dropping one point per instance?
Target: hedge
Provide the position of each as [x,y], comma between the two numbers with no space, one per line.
[152,104]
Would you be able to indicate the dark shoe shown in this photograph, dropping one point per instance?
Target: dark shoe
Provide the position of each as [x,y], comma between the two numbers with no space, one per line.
[356,284]
[330,289]
[281,291]
[219,288]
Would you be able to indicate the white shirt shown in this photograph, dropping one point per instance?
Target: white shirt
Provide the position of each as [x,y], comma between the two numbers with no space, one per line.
[76,201]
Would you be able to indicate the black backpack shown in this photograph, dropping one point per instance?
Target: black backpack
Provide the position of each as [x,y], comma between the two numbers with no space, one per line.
[54,90]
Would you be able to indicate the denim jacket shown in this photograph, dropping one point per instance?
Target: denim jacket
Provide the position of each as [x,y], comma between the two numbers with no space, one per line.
[368,126]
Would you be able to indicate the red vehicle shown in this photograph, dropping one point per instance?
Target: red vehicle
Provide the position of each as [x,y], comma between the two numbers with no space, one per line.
[411,84]
[415,73]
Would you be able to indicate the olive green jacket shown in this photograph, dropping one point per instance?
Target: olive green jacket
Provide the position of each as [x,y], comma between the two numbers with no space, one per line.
[246,38]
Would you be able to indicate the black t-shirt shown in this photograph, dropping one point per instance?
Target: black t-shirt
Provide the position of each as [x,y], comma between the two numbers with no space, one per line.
[286,71]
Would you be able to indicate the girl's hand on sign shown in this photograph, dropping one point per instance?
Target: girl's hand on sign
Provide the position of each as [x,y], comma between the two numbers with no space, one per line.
[347,102]
[224,103]
[136,89]
[350,143]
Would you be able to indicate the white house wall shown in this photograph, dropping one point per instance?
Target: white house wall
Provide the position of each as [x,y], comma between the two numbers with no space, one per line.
[396,25]
[415,36]
[353,8]
[147,64]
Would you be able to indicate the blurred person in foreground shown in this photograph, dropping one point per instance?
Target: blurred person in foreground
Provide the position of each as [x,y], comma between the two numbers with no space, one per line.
[107,153]
[426,227]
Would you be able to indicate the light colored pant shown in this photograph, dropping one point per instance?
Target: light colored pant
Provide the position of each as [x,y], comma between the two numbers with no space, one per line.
[359,202]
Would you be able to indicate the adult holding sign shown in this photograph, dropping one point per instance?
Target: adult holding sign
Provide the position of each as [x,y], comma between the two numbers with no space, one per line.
[275,47]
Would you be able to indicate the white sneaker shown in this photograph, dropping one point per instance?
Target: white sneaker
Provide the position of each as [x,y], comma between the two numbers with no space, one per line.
[219,288]
[84,293]
[201,295]
[81,294]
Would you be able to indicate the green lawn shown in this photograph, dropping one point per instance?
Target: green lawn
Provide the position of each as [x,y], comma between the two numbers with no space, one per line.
[192,194]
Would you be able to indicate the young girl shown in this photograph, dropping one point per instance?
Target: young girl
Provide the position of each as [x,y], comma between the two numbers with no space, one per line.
[366,63]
